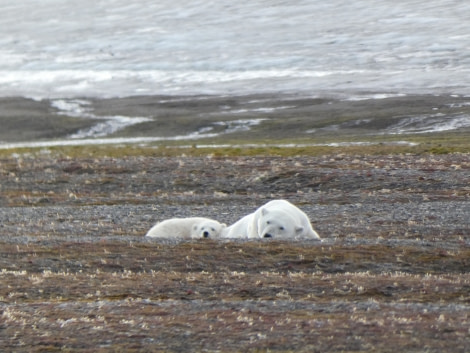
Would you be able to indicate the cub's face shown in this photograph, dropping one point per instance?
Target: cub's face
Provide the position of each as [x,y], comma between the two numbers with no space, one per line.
[209,229]
[275,226]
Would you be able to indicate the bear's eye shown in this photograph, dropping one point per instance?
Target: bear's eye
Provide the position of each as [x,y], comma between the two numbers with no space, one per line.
[268,222]
[281,228]
[213,229]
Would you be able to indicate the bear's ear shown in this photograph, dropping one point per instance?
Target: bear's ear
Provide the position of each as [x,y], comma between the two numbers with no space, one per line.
[223,225]
[264,211]
[299,230]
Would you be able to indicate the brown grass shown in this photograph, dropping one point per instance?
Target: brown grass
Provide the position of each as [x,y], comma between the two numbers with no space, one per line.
[221,296]
[75,279]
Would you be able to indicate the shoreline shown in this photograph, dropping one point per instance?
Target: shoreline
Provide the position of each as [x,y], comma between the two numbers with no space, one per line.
[206,120]
[148,140]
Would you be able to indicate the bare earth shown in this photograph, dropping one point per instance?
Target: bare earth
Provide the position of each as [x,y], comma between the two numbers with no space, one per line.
[391,273]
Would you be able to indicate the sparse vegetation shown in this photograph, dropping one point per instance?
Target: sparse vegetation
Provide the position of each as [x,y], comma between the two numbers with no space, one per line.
[391,273]
[219,296]
[77,274]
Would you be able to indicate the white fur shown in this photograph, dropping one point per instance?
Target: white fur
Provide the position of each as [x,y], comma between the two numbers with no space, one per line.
[193,227]
[278,219]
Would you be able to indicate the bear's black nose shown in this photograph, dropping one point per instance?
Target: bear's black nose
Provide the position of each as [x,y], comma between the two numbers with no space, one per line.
[267,235]
[205,234]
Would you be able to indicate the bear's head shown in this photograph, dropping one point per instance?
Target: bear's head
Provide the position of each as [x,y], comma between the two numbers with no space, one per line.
[207,229]
[277,224]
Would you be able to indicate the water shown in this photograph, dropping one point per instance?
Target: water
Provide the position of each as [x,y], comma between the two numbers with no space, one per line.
[115,48]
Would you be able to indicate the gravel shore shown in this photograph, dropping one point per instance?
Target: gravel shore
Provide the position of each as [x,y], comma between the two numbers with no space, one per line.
[366,196]
[391,271]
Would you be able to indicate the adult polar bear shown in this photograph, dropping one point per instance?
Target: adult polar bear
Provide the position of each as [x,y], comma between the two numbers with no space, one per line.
[275,219]
[192,227]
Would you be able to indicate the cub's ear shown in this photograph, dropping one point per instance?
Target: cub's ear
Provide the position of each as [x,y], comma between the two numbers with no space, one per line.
[299,230]
[264,211]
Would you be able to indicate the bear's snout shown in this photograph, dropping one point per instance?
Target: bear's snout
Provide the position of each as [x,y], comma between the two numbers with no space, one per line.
[205,234]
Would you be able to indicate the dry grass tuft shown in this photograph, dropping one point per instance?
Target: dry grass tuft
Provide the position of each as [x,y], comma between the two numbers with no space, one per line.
[228,296]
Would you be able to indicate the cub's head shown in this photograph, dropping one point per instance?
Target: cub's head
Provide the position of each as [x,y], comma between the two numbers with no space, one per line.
[207,229]
[277,224]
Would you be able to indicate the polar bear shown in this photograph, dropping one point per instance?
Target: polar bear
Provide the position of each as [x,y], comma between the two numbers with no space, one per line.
[278,219]
[189,228]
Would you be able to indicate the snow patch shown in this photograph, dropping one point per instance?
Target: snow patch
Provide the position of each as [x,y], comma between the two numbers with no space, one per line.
[429,123]
[108,125]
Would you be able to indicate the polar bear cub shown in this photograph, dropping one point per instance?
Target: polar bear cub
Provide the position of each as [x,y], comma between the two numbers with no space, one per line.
[275,219]
[189,228]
